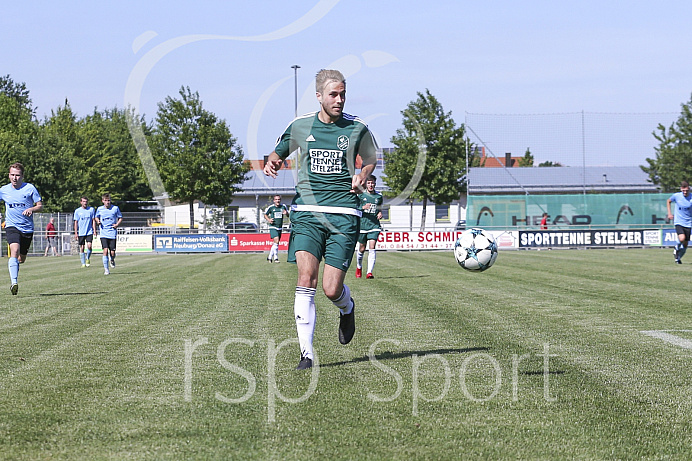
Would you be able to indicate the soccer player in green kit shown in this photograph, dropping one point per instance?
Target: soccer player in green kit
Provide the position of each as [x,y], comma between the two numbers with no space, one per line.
[275,217]
[325,213]
[371,204]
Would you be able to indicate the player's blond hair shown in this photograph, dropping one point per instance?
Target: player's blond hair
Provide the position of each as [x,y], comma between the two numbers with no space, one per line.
[325,76]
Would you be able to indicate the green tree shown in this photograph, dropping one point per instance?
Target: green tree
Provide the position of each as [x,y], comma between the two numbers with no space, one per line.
[527,159]
[549,163]
[429,160]
[66,157]
[46,149]
[673,161]
[195,152]
[18,127]
[54,167]
[111,161]
[16,91]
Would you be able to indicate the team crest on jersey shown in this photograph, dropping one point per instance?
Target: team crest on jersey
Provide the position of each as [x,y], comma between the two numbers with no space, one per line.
[342,142]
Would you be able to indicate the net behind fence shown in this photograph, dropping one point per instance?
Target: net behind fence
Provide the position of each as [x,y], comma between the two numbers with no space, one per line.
[573,139]
[601,154]
[573,210]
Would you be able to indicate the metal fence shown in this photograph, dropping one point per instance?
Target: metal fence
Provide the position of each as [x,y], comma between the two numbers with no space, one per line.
[66,244]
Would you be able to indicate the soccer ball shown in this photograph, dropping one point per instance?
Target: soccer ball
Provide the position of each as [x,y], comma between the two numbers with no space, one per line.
[475,250]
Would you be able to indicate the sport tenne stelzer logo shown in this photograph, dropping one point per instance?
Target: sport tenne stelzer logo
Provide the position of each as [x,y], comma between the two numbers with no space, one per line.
[342,142]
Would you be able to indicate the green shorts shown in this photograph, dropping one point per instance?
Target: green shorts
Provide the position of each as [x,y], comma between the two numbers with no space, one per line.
[274,232]
[363,237]
[324,235]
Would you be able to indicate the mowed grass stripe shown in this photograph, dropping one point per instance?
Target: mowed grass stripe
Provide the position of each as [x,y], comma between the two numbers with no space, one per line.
[104,379]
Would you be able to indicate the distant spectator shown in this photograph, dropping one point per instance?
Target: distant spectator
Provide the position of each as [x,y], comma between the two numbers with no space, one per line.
[51,234]
[544,221]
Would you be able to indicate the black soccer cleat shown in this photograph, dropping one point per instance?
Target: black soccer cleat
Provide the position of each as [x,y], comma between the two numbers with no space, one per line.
[347,325]
[304,363]
[14,288]
[677,261]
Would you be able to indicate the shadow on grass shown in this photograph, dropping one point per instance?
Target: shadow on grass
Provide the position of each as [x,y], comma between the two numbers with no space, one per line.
[541,373]
[405,354]
[75,293]
[404,277]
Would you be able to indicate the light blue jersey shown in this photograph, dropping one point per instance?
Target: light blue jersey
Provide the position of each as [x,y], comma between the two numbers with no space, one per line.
[683,209]
[16,201]
[85,220]
[108,217]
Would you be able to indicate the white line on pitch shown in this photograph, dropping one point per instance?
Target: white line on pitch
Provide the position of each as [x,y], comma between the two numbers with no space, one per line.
[672,339]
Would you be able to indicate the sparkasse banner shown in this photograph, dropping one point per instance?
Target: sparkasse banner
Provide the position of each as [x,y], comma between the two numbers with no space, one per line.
[255,242]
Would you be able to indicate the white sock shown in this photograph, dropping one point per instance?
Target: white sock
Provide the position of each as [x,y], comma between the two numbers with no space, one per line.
[305,315]
[344,302]
[275,250]
[372,257]
[359,259]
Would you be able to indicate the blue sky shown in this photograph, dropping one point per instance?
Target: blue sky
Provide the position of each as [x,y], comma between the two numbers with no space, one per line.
[502,57]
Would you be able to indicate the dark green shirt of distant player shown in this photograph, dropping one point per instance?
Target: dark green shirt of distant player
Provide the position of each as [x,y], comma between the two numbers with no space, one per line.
[369,221]
[327,158]
[277,213]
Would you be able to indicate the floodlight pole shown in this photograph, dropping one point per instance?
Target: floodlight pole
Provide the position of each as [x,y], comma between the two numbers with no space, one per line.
[295,68]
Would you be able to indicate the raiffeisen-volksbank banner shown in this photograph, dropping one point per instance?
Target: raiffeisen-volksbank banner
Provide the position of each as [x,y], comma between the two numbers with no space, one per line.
[189,243]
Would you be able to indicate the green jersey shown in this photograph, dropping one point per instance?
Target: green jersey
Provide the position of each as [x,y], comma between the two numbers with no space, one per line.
[369,219]
[276,212]
[327,161]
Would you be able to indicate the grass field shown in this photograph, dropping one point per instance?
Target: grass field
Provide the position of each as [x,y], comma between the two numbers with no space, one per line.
[193,357]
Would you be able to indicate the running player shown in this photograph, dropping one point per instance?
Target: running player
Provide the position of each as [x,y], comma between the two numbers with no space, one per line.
[22,200]
[682,219]
[275,217]
[371,204]
[84,225]
[325,210]
[108,218]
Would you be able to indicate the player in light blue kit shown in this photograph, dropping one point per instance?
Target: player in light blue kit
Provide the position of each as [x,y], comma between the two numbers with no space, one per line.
[84,224]
[22,200]
[682,218]
[108,218]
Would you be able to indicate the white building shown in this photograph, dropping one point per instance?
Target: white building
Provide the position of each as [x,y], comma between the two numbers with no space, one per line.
[258,191]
